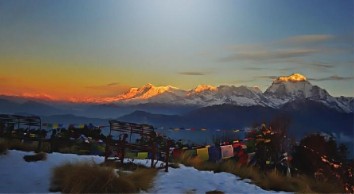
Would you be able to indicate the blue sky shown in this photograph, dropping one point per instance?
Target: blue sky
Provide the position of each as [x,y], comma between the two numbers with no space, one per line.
[87,48]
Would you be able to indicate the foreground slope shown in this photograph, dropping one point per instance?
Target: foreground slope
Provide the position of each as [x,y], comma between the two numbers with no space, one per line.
[18,176]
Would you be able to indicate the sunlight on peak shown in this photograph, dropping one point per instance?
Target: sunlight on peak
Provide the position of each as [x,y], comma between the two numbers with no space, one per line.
[202,88]
[296,77]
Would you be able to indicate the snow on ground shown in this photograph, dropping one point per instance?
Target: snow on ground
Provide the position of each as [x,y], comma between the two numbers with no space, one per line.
[188,179]
[18,176]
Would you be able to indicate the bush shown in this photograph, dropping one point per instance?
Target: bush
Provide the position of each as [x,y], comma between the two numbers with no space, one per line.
[142,178]
[36,157]
[92,178]
[214,192]
[267,180]
[3,148]
[73,149]
[23,146]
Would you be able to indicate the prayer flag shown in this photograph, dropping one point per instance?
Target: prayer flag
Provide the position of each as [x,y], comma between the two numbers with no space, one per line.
[214,153]
[130,155]
[176,153]
[227,151]
[142,155]
[190,153]
[203,153]
[55,125]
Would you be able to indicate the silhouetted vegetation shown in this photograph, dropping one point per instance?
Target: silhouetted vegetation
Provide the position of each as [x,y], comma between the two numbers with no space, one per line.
[319,156]
[3,147]
[35,157]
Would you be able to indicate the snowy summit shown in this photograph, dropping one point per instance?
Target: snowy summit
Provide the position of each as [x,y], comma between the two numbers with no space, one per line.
[296,77]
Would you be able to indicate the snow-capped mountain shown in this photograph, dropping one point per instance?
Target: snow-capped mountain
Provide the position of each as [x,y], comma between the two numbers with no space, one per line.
[295,87]
[242,95]
[283,90]
[145,94]
[347,101]
[202,95]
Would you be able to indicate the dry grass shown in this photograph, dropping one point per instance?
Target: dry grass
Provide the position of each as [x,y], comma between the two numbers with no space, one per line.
[268,181]
[214,192]
[36,157]
[74,149]
[128,166]
[142,178]
[16,144]
[321,186]
[91,178]
[3,148]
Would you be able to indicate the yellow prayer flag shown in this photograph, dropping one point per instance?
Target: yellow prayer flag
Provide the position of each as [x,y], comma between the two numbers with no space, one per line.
[203,153]
[55,125]
[142,155]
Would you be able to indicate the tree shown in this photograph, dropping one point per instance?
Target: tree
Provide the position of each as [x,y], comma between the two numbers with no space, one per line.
[318,153]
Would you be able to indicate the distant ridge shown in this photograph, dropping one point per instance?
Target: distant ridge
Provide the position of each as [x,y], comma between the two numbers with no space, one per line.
[284,89]
[305,116]
[171,100]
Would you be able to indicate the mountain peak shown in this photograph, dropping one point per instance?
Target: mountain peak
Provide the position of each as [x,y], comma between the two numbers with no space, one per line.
[203,87]
[296,77]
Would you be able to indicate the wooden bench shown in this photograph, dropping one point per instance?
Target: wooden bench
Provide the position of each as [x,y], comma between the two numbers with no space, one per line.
[149,141]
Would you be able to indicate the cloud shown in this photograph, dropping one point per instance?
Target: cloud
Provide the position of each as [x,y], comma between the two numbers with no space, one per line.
[307,39]
[272,77]
[38,96]
[303,47]
[114,86]
[109,89]
[256,68]
[269,54]
[272,68]
[105,86]
[191,73]
[321,65]
[332,78]
[317,65]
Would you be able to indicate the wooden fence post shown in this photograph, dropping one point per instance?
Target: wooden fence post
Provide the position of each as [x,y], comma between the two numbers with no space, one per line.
[39,147]
[167,158]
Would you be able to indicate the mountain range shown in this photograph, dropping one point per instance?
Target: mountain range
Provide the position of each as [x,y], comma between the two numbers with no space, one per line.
[283,90]
[171,100]
[310,106]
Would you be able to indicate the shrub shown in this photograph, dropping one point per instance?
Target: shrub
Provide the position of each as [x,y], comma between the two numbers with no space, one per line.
[214,192]
[72,149]
[23,146]
[36,157]
[91,178]
[267,180]
[142,178]
[3,147]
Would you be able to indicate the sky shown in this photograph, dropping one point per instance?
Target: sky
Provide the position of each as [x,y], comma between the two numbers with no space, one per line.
[91,48]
